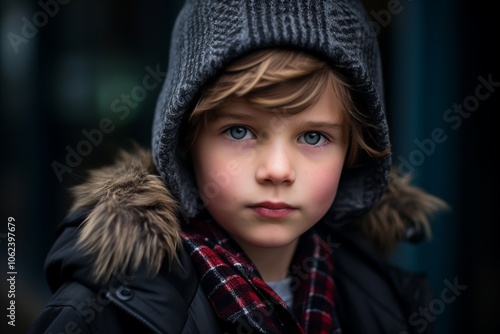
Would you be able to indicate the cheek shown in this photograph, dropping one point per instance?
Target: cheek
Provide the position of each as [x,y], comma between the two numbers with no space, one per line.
[216,173]
[323,188]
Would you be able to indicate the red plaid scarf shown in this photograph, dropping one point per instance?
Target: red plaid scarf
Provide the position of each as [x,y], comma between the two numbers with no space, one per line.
[244,303]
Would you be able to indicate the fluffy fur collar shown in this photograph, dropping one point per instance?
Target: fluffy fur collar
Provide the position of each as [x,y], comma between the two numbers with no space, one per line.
[134,218]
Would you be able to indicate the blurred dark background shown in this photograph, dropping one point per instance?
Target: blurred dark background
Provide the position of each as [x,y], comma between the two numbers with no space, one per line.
[67,69]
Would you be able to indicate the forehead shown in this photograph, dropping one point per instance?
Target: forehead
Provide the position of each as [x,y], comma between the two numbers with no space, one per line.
[326,106]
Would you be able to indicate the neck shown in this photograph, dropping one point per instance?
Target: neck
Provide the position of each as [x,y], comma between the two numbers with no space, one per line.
[272,263]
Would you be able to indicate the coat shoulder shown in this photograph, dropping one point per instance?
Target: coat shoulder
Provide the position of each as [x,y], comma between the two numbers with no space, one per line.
[371,288]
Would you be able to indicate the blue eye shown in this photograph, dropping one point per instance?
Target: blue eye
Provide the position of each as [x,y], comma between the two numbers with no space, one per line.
[238,133]
[313,138]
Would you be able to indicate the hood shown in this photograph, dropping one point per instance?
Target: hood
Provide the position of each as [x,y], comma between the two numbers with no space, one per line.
[131,219]
[209,34]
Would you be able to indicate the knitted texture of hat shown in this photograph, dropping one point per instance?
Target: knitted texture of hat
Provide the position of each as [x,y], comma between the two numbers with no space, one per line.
[209,34]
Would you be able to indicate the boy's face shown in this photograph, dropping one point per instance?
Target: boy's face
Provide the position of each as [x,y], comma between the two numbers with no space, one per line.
[266,178]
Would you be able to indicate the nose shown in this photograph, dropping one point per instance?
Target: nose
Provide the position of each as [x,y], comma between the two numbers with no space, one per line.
[275,165]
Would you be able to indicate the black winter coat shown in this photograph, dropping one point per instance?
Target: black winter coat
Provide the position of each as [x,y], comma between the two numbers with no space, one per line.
[373,297]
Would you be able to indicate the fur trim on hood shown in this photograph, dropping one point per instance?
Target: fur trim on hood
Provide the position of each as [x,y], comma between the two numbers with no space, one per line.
[134,218]
[402,213]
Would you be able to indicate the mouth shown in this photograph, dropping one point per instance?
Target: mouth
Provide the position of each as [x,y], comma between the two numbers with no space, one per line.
[273,209]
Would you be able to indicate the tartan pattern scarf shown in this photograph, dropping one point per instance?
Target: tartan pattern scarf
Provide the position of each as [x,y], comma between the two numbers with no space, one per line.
[242,300]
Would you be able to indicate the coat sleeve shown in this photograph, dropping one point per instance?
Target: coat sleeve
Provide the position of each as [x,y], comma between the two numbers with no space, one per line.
[60,319]
[66,313]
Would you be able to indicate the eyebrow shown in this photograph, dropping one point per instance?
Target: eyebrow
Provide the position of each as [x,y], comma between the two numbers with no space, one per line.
[248,117]
[230,115]
[324,125]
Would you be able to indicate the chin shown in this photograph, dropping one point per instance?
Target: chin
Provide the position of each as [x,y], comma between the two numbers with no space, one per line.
[271,239]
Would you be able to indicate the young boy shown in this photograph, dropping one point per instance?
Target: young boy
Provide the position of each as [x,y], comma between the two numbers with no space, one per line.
[259,208]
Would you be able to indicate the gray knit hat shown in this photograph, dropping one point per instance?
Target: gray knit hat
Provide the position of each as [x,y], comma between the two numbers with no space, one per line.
[208,34]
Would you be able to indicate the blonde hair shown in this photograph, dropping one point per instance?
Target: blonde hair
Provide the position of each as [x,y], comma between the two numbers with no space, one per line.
[284,82]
